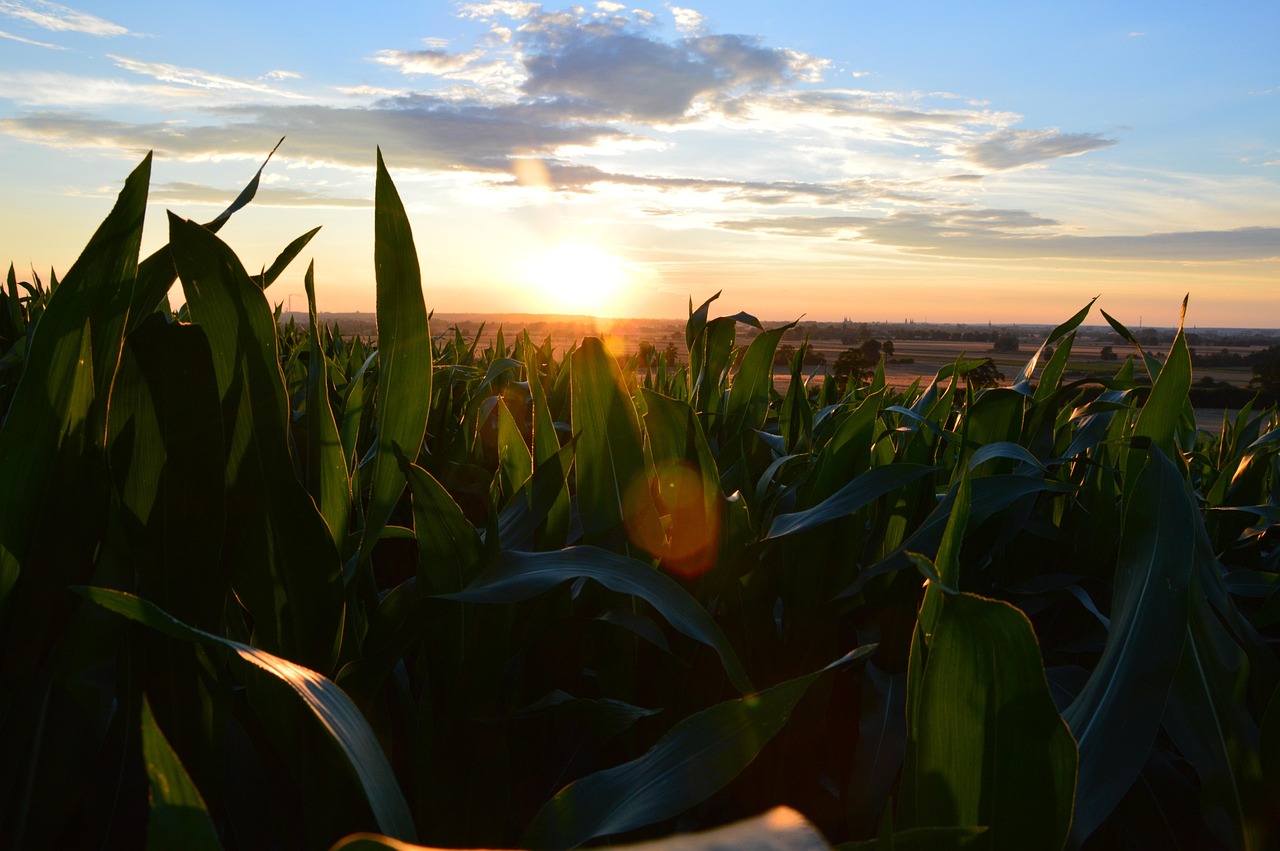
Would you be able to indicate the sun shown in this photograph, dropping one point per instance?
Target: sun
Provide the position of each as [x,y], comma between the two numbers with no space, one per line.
[576,277]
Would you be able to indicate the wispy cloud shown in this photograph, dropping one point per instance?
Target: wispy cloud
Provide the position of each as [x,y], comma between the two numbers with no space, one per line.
[196,78]
[58,18]
[267,196]
[1013,148]
[33,42]
[1018,235]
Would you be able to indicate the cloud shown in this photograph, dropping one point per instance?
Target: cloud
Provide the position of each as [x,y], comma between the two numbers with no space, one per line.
[1013,148]
[57,18]
[196,78]
[994,234]
[687,20]
[498,8]
[19,38]
[577,178]
[417,132]
[618,68]
[430,61]
[267,196]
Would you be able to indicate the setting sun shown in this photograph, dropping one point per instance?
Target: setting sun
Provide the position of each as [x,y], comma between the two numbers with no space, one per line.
[578,278]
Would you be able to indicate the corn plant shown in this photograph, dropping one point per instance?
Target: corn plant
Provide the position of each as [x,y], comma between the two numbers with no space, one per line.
[262,585]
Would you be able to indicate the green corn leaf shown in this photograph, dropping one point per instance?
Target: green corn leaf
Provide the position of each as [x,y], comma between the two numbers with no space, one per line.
[330,705]
[168,462]
[748,405]
[279,551]
[282,261]
[988,747]
[1116,716]
[515,462]
[520,576]
[546,448]
[613,487]
[1162,413]
[1208,716]
[156,274]
[857,494]
[179,817]
[404,355]
[73,350]
[326,466]
[1022,383]
[696,758]
[688,482]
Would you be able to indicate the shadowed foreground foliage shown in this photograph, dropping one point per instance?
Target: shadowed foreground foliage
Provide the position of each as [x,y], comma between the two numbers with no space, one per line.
[267,586]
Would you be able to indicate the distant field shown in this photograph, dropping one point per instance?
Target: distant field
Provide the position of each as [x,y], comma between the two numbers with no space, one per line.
[912,360]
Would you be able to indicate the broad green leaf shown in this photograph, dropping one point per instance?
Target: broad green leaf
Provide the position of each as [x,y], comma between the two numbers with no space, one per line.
[73,349]
[404,355]
[448,546]
[520,576]
[613,487]
[537,503]
[688,483]
[857,494]
[989,748]
[515,462]
[279,551]
[168,462]
[179,817]
[696,758]
[847,454]
[748,405]
[1163,410]
[330,705]
[1116,716]
[1209,721]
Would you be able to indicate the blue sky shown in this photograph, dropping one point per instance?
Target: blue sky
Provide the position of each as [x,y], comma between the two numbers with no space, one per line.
[939,161]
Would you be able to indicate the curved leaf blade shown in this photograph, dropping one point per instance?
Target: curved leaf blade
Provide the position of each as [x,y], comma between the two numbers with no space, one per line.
[696,758]
[330,704]
[520,576]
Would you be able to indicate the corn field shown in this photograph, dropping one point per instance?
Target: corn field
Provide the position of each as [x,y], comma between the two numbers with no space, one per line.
[264,586]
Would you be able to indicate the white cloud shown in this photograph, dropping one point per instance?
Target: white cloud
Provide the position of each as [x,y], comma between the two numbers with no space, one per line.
[498,8]
[58,18]
[687,20]
[19,38]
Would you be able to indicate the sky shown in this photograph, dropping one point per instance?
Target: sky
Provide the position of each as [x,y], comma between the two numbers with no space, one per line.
[935,161]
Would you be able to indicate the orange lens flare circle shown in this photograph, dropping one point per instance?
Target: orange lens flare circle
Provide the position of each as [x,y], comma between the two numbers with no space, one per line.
[688,540]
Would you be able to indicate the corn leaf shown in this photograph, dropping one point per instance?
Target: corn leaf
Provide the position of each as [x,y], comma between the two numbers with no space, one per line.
[520,576]
[696,758]
[276,540]
[330,705]
[404,355]
[614,503]
[988,746]
[179,817]
[1116,716]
